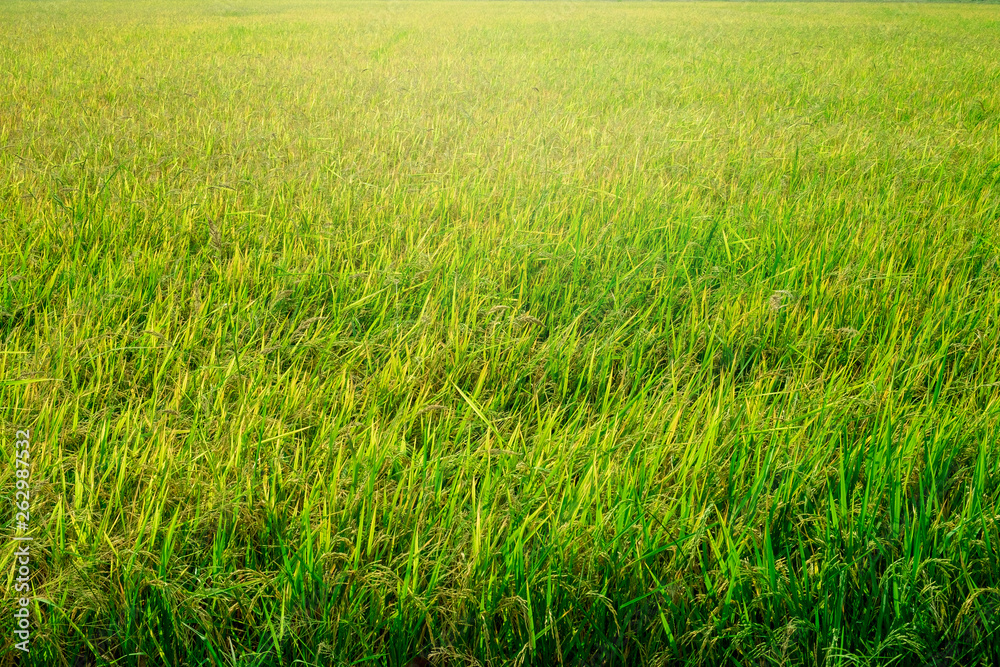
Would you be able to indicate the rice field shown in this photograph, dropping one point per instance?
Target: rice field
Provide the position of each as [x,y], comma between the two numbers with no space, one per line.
[501,333]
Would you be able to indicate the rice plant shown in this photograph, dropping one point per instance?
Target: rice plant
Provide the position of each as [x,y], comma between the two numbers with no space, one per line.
[502,333]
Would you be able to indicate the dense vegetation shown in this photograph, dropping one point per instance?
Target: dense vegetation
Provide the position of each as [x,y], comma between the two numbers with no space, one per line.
[503,333]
